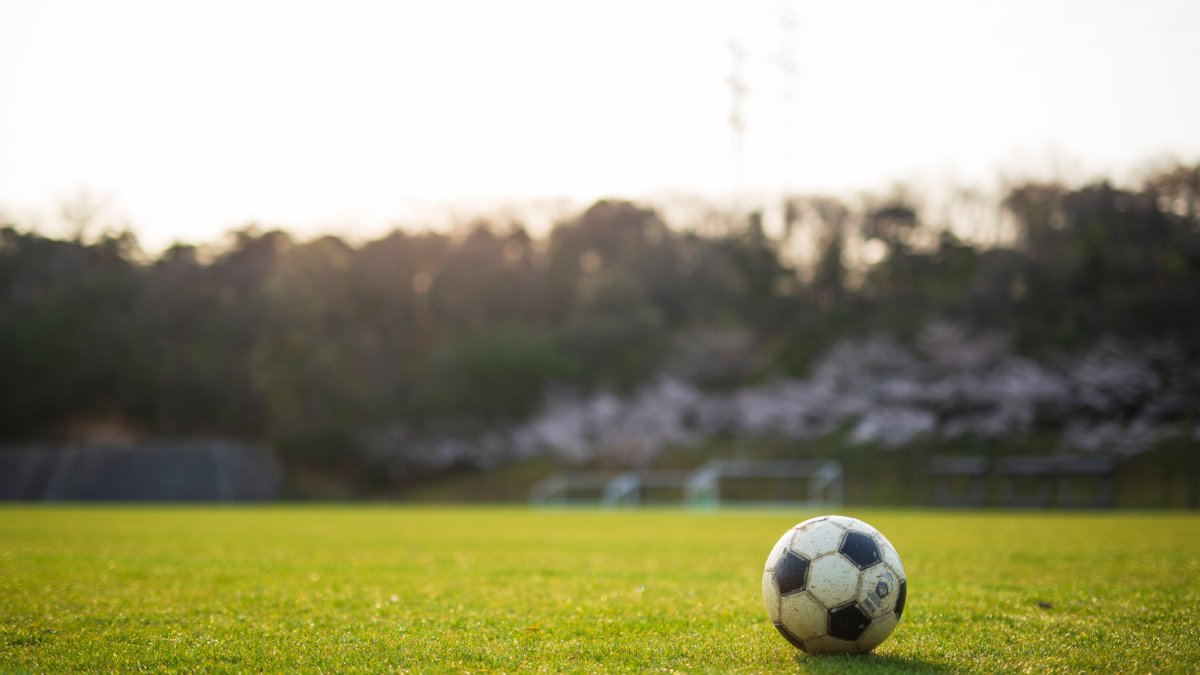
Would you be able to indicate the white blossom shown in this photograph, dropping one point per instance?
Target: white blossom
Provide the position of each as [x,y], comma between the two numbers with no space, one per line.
[1114,399]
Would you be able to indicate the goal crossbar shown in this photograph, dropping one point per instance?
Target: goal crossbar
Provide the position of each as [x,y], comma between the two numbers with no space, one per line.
[823,476]
[700,487]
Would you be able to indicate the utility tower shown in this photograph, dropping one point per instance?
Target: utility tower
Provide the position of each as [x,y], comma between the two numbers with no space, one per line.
[765,123]
[737,116]
[789,71]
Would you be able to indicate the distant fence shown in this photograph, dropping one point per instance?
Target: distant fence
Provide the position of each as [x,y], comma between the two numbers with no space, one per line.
[716,483]
[182,471]
[1024,481]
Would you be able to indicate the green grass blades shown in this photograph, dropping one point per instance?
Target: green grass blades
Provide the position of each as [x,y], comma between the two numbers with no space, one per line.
[508,589]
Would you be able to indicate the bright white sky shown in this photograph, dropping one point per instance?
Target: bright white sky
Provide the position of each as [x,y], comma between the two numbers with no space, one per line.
[192,118]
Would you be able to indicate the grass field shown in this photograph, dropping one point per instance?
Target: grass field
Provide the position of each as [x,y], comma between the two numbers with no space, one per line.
[493,589]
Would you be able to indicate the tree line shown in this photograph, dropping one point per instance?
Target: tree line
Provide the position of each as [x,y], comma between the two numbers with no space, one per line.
[310,344]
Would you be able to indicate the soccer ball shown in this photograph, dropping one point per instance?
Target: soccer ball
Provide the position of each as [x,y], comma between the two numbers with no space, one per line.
[834,585]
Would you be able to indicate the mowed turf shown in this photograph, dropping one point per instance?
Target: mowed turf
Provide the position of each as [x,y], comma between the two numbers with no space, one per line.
[490,589]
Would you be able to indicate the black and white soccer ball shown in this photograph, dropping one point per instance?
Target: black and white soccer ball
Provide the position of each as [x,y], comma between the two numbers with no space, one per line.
[834,585]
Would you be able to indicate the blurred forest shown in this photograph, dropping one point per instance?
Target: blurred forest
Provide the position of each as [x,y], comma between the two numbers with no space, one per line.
[355,359]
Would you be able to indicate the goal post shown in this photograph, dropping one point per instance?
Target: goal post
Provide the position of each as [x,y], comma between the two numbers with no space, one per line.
[750,482]
[570,487]
[630,488]
[719,482]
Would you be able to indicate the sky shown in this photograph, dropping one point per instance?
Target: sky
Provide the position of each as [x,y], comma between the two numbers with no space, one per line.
[186,119]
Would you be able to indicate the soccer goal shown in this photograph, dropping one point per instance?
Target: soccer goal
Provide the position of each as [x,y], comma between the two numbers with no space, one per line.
[630,488]
[721,482]
[571,487]
[754,482]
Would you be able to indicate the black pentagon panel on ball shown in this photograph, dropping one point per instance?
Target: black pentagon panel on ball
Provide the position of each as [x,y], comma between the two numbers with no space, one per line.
[848,622]
[791,573]
[861,549]
[787,635]
[900,599]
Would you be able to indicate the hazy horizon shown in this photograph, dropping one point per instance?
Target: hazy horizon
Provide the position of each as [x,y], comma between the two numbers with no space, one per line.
[348,118]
